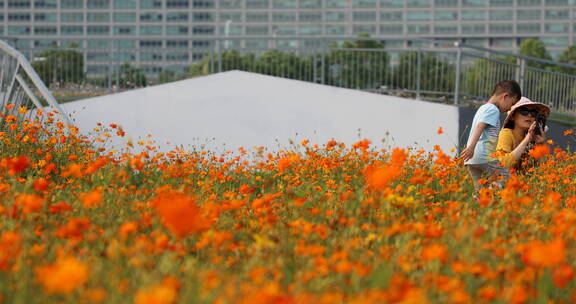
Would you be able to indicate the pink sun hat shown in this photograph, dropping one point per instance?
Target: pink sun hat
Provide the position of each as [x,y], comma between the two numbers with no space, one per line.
[527,103]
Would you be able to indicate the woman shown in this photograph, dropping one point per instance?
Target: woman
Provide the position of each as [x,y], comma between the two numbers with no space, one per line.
[520,132]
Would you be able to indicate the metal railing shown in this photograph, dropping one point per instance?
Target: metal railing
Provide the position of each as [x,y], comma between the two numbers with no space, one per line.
[445,71]
[21,86]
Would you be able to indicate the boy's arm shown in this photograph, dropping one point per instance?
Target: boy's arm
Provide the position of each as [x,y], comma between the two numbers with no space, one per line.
[468,152]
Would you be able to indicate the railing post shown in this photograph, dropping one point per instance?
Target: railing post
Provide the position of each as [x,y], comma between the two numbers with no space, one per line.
[522,73]
[323,54]
[219,56]
[457,76]
[418,72]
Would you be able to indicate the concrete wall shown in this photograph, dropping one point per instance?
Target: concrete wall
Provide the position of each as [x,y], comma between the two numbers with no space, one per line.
[233,109]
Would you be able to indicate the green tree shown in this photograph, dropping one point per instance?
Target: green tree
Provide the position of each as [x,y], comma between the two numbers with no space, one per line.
[60,67]
[480,78]
[424,71]
[569,57]
[533,47]
[131,77]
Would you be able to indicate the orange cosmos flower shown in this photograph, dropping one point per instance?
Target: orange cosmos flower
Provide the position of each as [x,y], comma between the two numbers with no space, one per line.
[16,165]
[9,249]
[539,151]
[440,130]
[568,132]
[179,213]
[378,176]
[128,228]
[91,199]
[29,202]
[540,254]
[362,145]
[562,275]
[163,293]
[64,276]
[434,252]
[40,184]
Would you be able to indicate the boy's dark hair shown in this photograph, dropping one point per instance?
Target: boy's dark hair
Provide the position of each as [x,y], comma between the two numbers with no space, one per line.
[508,86]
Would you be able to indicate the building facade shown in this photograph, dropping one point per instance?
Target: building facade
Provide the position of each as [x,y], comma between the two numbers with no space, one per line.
[104,28]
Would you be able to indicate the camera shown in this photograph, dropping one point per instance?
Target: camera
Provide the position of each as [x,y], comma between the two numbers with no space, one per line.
[540,123]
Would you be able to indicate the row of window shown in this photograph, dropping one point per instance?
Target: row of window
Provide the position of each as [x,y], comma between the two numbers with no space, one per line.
[238,4]
[293,16]
[288,30]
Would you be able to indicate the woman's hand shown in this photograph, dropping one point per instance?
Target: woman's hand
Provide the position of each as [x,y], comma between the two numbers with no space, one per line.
[530,134]
[540,139]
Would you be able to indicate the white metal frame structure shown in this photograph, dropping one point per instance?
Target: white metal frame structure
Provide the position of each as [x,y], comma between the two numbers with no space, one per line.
[20,85]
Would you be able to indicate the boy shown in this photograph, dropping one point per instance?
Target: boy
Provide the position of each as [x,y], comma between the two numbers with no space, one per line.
[484,132]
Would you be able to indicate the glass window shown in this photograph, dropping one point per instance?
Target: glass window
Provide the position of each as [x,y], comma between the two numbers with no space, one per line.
[474,3]
[364,28]
[468,15]
[202,17]
[501,2]
[147,4]
[177,30]
[310,30]
[177,44]
[124,44]
[19,30]
[45,43]
[236,4]
[364,3]
[392,3]
[22,44]
[286,30]
[203,30]
[257,17]
[177,3]
[71,17]
[46,17]
[284,4]
[310,4]
[473,28]
[97,69]
[151,43]
[335,3]
[45,4]
[501,28]
[418,29]
[391,16]
[203,3]
[98,30]
[257,4]
[446,15]
[446,29]
[391,29]
[528,2]
[151,17]
[364,16]
[45,30]
[71,4]
[98,44]
[475,42]
[559,14]
[501,14]
[555,41]
[124,30]
[524,14]
[19,4]
[177,56]
[556,27]
[285,17]
[123,57]
[234,17]
[310,16]
[150,30]
[446,3]
[19,17]
[335,29]
[502,42]
[256,30]
[557,2]
[233,30]
[98,17]
[125,17]
[528,28]
[124,4]
[98,4]
[418,15]
[418,3]
[178,17]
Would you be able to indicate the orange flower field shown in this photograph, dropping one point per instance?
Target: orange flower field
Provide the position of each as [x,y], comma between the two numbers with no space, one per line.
[310,224]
